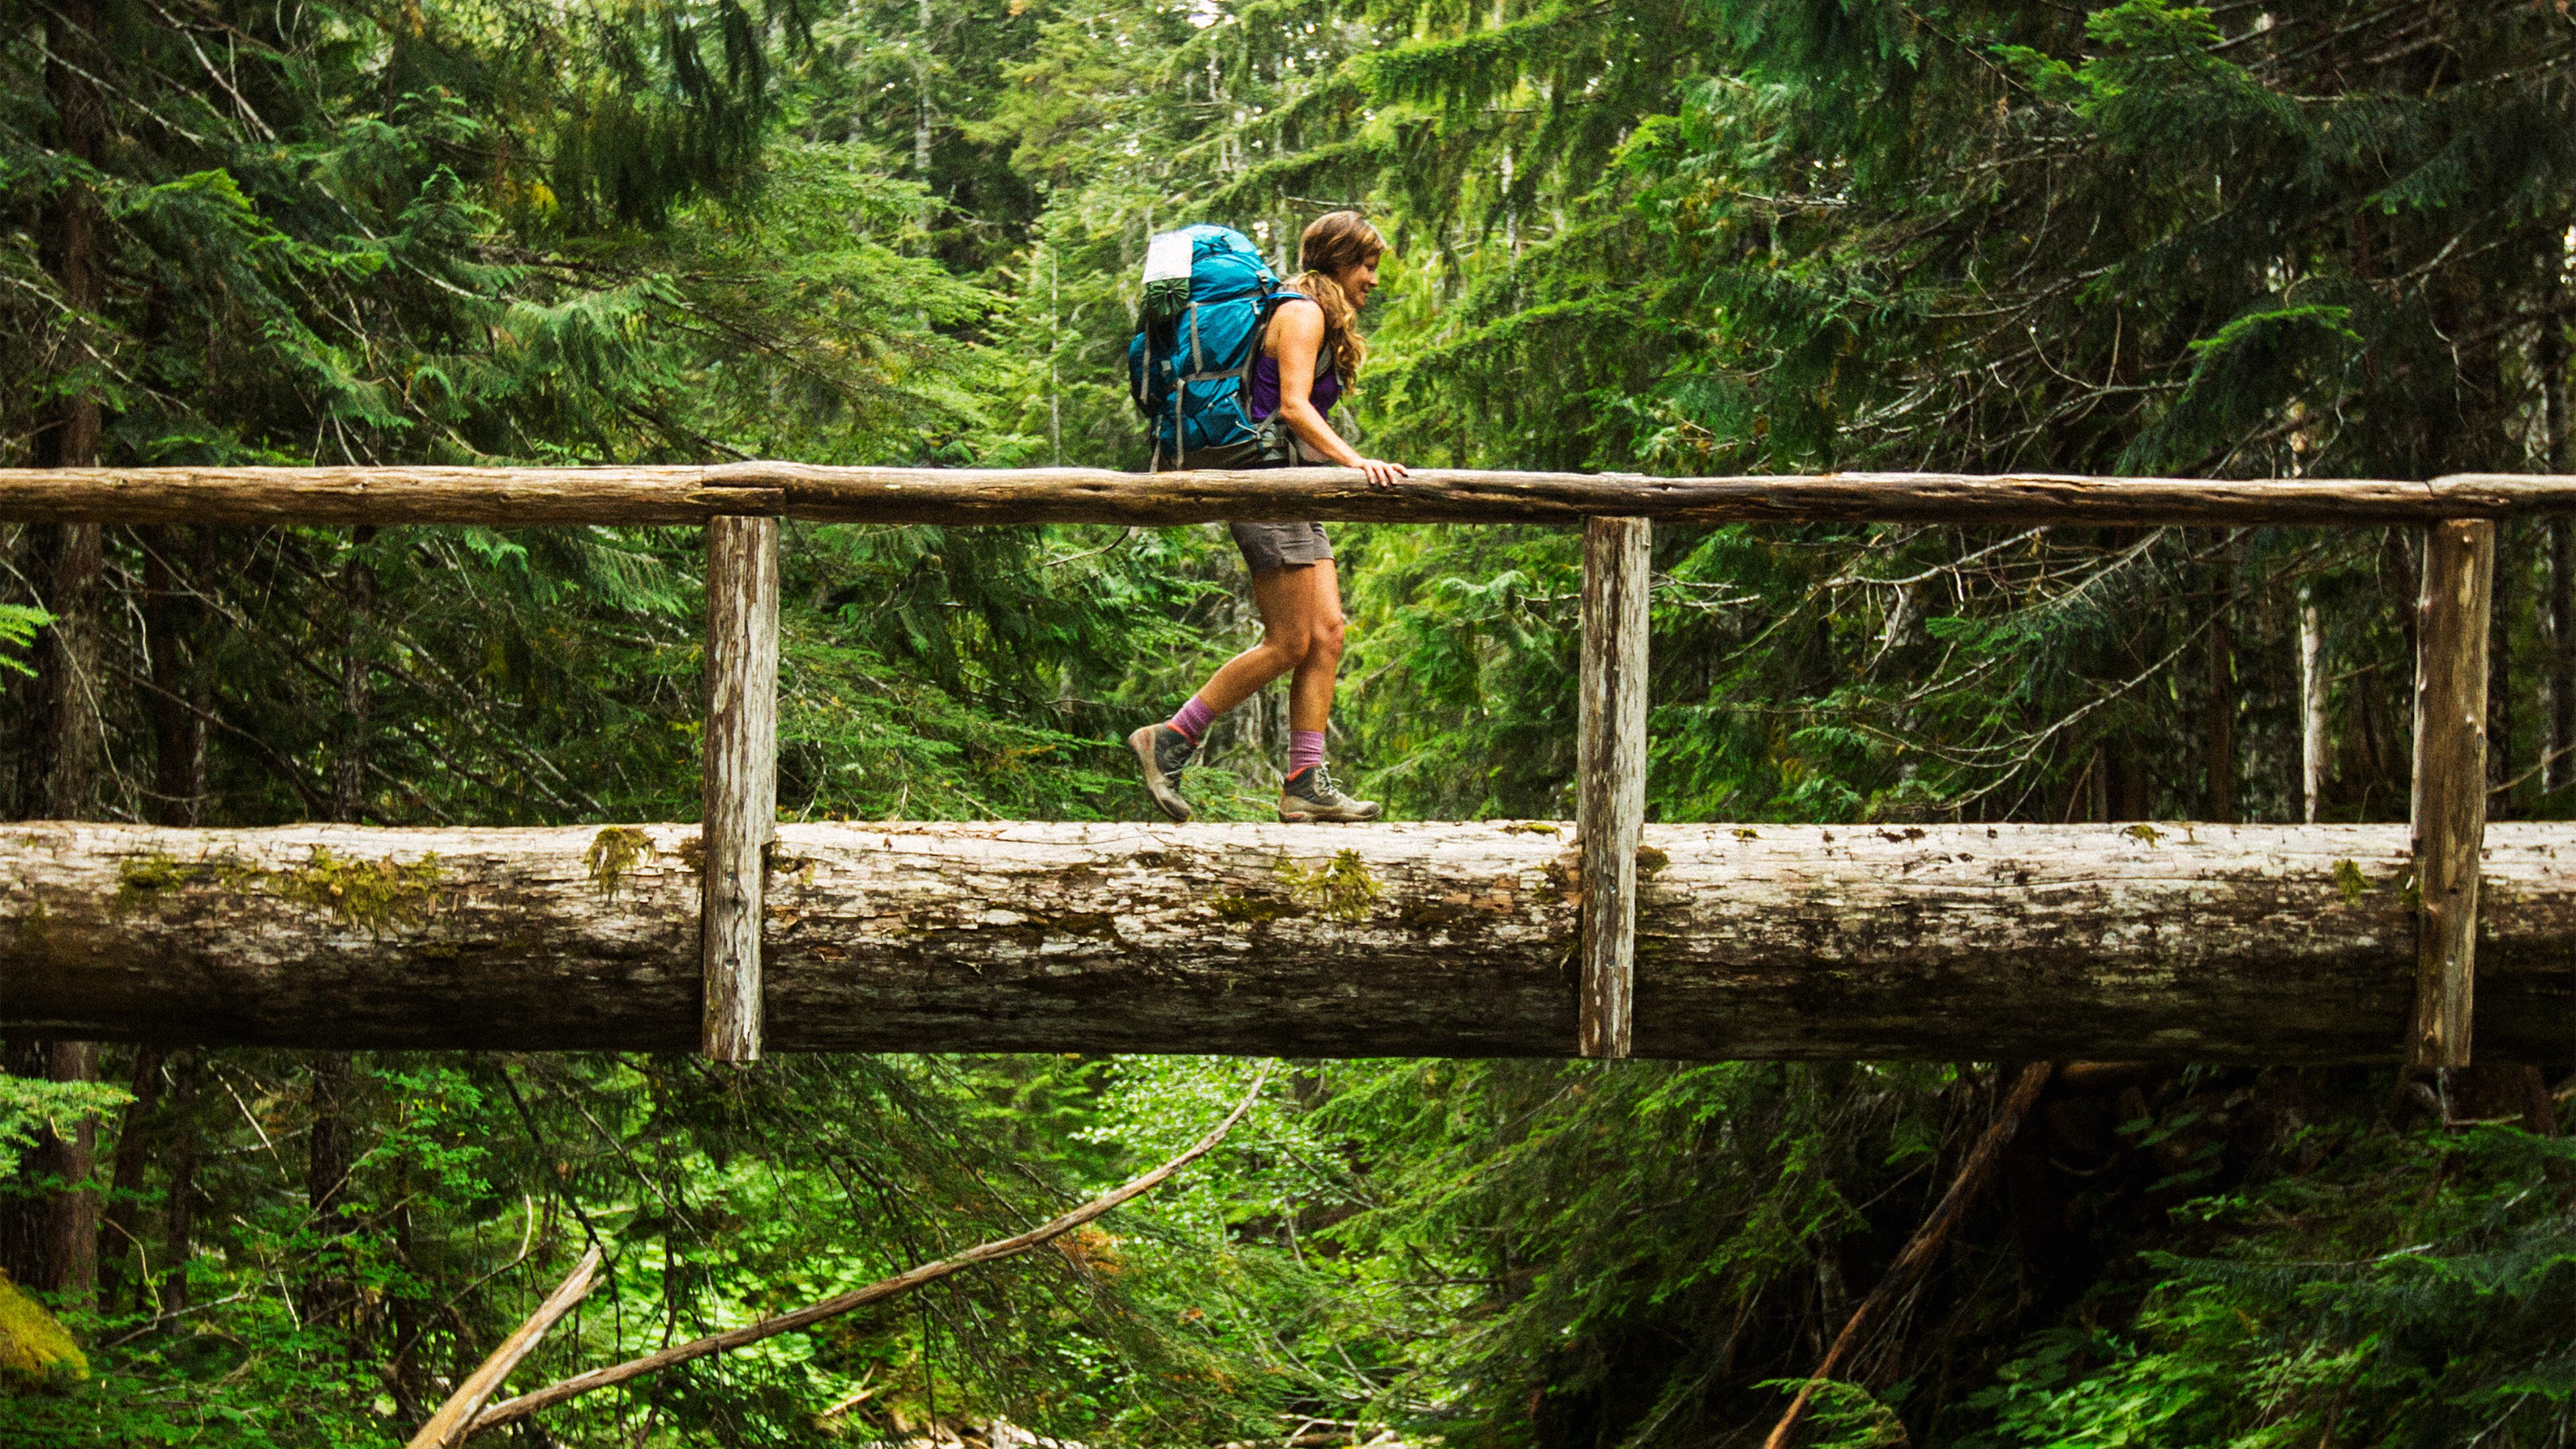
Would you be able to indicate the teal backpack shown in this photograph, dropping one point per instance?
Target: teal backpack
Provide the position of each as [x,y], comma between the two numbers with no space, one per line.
[1209,297]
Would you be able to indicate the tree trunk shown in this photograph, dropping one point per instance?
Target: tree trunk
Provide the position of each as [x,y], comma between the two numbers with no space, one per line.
[330,1154]
[179,1240]
[134,1138]
[178,732]
[71,1232]
[2219,716]
[349,748]
[2314,741]
[331,1149]
[2127,942]
[2505,602]
[2560,767]
[58,776]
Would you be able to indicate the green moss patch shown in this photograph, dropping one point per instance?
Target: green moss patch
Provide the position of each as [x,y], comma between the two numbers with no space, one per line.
[143,879]
[613,854]
[36,1352]
[1258,910]
[1343,890]
[375,894]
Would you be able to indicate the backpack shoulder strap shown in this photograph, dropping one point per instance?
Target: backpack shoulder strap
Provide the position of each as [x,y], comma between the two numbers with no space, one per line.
[1272,299]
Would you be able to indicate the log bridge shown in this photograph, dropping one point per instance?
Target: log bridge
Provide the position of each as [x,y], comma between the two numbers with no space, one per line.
[1606,936]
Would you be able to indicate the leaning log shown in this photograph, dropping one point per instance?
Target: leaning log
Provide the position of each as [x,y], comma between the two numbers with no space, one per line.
[687,493]
[2247,943]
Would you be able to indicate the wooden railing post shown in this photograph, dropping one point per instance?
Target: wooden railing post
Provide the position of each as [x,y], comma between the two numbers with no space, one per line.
[741,776]
[2450,797]
[1610,768]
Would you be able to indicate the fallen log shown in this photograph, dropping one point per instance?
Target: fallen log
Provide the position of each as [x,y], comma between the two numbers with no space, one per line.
[678,493]
[2012,942]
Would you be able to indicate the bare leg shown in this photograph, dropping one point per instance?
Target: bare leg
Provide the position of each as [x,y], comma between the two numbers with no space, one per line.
[1286,599]
[1310,694]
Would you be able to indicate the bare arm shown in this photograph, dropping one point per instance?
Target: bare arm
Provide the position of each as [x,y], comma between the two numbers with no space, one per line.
[1296,335]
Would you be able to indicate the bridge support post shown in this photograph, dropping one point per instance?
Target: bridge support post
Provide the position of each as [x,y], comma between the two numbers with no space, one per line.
[1610,791]
[741,776]
[2450,794]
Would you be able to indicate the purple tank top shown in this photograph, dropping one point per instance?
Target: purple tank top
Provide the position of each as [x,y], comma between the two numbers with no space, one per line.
[1265,386]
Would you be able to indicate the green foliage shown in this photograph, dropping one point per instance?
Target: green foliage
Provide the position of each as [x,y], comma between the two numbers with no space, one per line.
[18,626]
[29,1105]
[2331,1306]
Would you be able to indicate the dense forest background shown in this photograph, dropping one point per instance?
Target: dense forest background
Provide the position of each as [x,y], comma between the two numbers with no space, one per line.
[2319,237]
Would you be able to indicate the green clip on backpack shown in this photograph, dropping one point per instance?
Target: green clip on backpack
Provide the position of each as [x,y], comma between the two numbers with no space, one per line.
[1208,300]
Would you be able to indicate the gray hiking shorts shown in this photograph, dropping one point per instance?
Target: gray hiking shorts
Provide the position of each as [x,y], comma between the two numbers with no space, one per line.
[1267,547]
[1270,547]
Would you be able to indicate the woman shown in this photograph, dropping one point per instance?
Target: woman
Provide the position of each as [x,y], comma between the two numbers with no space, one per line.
[1311,351]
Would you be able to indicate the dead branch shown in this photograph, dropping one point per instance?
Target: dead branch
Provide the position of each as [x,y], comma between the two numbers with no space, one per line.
[512,1410]
[1926,1245]
[451,1422]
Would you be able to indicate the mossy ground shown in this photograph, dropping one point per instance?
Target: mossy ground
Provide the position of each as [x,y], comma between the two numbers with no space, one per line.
[35,1350]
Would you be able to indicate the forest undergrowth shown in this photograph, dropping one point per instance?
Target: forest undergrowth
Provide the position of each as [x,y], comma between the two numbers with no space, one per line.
[2324,238]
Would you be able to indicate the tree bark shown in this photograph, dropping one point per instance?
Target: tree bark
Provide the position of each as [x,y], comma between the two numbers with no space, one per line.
[169,622]
[2314,740]
[179,1237]
[2127,942]
[2219,714]
[357,617]
[2449,809]
[330,1155]
[134,1137]
[2560,766]
[1610,774]
[741,777]
[331,1142]
[72,1218]
[2504,602]
[693,494]
[58,776]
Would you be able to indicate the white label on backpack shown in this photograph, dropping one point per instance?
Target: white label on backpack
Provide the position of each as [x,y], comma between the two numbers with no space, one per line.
[1167,256]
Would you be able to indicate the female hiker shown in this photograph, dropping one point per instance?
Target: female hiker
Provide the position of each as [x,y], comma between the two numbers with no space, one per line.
[1310,352]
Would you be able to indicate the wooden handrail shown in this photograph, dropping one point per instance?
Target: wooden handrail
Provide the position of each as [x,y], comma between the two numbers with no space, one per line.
[685,494]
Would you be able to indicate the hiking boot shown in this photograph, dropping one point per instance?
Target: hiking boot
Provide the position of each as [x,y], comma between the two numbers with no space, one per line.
[1164,752]
[1310,794]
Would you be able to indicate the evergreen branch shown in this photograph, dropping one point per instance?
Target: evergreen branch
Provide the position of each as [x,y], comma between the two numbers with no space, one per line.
[525,1404]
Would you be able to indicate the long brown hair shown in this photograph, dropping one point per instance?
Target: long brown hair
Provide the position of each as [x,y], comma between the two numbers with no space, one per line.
[1334,243]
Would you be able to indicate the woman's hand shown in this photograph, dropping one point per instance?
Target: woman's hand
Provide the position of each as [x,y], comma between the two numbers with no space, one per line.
[1382,474]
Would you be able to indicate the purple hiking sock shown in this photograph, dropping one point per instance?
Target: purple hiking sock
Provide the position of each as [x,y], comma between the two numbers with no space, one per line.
[1194,719]
[1305,751]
